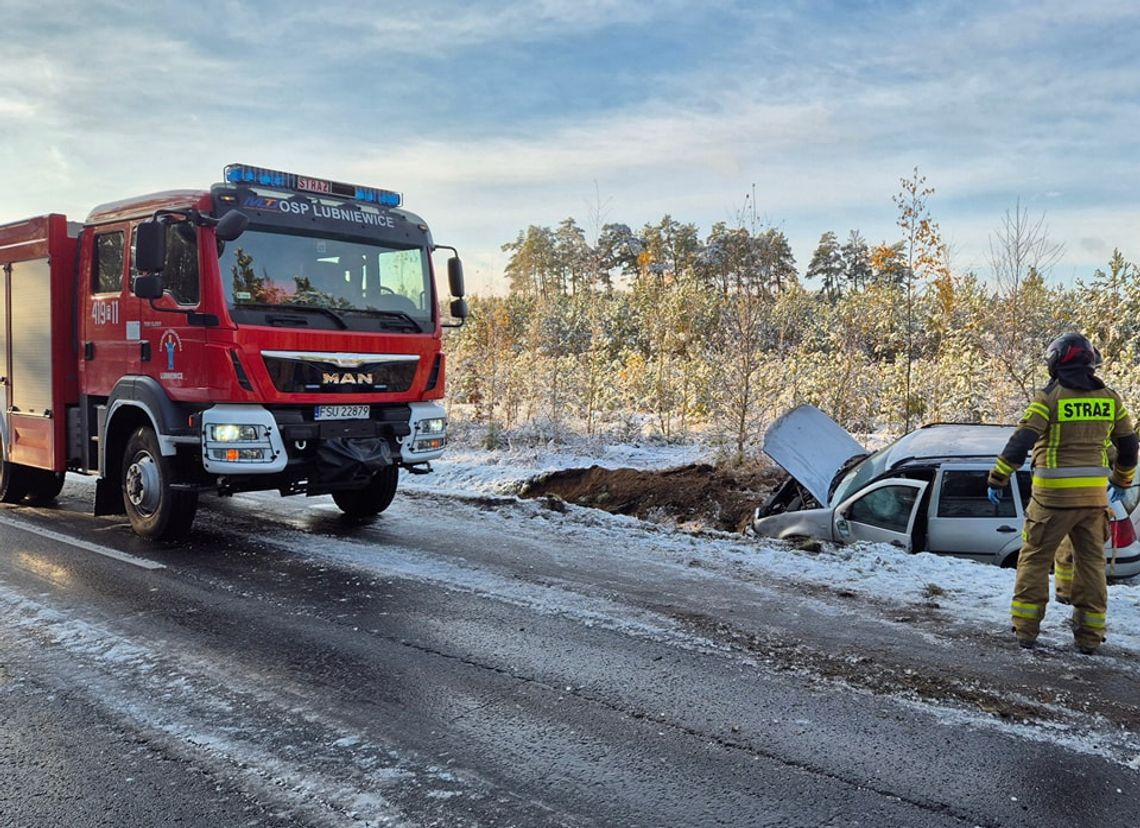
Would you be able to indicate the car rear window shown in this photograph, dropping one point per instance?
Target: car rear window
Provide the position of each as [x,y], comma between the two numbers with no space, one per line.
[963,495]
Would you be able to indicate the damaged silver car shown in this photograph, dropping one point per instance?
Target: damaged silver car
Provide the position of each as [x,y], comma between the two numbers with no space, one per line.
[925,492]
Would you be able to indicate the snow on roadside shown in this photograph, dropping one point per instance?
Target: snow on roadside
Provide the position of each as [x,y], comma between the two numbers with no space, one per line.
[479,471]
[976,593]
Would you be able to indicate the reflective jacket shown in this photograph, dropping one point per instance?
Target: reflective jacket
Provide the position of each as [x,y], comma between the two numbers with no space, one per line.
[1070,431]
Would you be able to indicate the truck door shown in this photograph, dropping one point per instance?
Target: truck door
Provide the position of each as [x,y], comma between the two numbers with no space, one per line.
[109,322]
[173,351]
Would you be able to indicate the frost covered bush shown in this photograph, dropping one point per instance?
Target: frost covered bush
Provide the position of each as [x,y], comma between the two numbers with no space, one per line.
[714,341]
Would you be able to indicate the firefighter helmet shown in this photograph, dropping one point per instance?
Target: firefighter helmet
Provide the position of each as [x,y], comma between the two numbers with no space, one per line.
[1071,349]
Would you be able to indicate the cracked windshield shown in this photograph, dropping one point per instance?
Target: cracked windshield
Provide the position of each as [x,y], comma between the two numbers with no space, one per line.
[343,280]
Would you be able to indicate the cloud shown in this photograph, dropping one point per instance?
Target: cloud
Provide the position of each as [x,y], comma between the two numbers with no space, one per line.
[496,115]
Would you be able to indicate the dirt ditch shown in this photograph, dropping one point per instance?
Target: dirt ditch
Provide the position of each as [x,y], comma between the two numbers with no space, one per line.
[697,495]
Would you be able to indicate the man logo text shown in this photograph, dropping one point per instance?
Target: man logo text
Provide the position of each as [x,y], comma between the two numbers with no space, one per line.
[348,378]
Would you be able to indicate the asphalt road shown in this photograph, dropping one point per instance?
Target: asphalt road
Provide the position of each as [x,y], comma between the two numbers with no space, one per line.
[462,662]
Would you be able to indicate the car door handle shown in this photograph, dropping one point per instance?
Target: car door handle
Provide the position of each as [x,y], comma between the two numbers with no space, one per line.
[1007,529]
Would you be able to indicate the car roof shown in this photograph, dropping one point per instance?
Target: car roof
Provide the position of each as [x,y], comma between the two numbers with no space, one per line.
[950,441]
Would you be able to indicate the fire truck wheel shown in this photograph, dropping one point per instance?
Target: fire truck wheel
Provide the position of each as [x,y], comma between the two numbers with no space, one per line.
[13,479]
[154,508]
[373,498]
[43,485]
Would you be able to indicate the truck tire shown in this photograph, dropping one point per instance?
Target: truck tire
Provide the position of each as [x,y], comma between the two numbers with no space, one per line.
[153,507]
[374,498]
[43,486]
[13,479]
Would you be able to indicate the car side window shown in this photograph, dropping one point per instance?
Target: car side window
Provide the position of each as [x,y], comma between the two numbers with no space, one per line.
[963,495]
[887,508]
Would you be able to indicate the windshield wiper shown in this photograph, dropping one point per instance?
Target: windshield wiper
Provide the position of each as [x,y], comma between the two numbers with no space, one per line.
[407,321]
[286,309]
[400,316]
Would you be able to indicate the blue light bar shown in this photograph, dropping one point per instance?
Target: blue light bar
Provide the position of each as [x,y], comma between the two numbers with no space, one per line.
[245,174]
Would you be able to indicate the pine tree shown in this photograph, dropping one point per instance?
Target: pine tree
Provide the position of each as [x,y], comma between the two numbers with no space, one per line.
[856,259]
[827,266]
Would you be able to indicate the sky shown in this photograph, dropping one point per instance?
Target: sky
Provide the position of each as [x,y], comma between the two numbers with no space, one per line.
[493,116]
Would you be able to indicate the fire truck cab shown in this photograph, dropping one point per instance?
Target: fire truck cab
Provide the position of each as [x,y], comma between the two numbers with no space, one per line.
[275,331]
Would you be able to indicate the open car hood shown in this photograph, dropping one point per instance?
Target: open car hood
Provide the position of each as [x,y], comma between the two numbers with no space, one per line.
[811,447]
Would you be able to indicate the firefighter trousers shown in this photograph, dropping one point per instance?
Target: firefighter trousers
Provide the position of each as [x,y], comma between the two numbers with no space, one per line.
[1045,529]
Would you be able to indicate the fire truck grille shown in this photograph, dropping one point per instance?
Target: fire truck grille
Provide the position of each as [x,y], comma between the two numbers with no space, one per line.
[307,376]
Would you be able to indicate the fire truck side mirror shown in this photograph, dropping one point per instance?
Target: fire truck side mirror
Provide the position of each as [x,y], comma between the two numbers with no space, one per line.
[459,309]
[455,277]
[147,287]
[150,248]
[231,225]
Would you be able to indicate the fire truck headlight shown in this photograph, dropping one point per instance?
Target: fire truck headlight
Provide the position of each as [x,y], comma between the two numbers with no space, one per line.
[232,433]
[433,425]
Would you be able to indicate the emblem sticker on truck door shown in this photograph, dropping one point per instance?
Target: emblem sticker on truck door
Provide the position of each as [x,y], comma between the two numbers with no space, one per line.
[169,346]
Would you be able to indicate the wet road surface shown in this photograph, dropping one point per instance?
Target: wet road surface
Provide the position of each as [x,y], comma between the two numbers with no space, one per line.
[481,662]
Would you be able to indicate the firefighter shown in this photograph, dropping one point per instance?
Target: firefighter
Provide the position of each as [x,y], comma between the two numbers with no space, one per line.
[1069,426]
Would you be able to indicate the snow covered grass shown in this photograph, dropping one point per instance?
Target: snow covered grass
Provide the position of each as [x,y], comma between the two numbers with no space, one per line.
[976,593]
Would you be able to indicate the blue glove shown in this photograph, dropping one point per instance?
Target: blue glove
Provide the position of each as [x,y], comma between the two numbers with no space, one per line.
[994,494]
[1115,492]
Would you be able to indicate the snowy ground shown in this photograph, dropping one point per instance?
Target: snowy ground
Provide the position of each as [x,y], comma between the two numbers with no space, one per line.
[976,591]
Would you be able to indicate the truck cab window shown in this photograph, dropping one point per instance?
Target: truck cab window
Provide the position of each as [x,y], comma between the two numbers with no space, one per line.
[180,277]
[107,275]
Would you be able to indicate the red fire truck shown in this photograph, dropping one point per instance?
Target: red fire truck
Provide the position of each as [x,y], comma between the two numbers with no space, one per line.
[273,332]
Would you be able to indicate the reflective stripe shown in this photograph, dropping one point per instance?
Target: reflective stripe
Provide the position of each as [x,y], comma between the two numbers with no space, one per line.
[1122,414]
[1053,446]
[1073,471]
[1021,609]
[1092,620]
[1037,408]
[1062,573]
[1003,467]
[1071,483]
[1125,475]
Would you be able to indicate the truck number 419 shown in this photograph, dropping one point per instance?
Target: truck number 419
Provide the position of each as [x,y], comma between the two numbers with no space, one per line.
[105,313]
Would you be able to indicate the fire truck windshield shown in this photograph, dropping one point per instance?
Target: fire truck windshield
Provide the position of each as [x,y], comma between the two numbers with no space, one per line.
[291,280]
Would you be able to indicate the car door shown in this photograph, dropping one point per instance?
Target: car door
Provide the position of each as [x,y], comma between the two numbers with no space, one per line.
[963,522]
[884,512]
